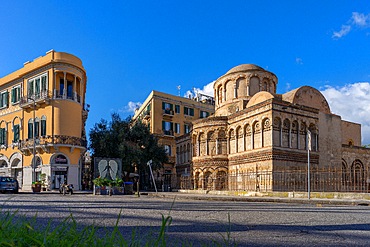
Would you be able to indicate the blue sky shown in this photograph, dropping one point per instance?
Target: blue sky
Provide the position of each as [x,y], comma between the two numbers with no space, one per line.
[129,48]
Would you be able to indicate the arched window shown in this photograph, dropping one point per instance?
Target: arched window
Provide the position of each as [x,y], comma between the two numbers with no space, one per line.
[37,127]
[345,176]
[314,138]
[277,132]
[167,148]
[3,134]
[254,85]
[357,175]
[286,133]
[16,129]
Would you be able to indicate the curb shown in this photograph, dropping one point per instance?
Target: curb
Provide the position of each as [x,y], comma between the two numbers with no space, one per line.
[312,201]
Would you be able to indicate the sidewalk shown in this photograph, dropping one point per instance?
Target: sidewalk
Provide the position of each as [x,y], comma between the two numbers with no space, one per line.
[212,197]
[354,201]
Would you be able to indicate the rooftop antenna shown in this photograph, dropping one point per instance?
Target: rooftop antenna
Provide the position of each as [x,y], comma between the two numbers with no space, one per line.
[178,88]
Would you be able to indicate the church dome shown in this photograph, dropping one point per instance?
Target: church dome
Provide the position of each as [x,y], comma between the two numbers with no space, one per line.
[243,68]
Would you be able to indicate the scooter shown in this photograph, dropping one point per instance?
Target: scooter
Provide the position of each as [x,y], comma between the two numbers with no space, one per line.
[66,189]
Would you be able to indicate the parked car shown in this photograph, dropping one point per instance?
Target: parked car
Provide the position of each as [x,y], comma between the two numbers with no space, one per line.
[8,184]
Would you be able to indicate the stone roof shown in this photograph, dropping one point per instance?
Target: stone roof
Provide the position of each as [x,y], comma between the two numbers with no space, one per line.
[244,67]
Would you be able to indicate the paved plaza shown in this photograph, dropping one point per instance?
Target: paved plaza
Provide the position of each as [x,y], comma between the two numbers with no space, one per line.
[203,221]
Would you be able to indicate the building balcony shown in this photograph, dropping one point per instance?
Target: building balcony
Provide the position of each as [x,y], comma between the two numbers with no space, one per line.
[67,95]
[44,143]
[168,112]
[168,132]
[146,115]
[38,98]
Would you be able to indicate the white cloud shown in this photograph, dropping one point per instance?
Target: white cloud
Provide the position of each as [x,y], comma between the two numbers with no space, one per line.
[343,31]
[352,103]
[360,19]
[131,107]
[357,20]
[287,87]
[299,60]
[207,90]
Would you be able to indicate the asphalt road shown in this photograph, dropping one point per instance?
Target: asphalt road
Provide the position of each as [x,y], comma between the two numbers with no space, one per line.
[200,222]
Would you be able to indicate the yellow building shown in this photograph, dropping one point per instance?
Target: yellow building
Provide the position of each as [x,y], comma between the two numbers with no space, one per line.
[42,121]
[169,116]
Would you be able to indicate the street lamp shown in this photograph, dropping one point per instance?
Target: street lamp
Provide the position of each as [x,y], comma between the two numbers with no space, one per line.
[34,141]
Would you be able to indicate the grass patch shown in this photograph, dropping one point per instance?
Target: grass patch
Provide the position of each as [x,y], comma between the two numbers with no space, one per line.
[18,231]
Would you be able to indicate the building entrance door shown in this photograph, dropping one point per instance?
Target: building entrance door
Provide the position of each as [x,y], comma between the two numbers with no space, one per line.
[59,178]
[18,174]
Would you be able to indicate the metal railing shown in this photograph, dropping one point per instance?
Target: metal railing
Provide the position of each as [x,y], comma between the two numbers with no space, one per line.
[323,180]
[40,96]
[52,140]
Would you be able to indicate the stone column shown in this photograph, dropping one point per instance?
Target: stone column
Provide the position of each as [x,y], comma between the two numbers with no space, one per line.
[55,83]
[74,89]
[65,85]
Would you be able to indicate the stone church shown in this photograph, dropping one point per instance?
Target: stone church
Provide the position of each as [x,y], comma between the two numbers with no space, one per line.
[258,140]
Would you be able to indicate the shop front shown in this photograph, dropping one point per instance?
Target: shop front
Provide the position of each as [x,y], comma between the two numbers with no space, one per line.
[59,171]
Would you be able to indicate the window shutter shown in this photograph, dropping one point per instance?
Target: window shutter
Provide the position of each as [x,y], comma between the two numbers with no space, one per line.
[37,129]
[13,94]
[2,136]
[30,88]
[30,130]
[16,133]
[191,112]
[171,124]
[43,127]
[6,99]
[163,106]
[163,125]
[43,83]
[37,86]
[171,107]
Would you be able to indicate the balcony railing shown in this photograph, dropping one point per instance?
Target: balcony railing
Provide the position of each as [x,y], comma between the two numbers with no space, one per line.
[47,141]
[168,132]
[65,95]
[168,112]
[41,97]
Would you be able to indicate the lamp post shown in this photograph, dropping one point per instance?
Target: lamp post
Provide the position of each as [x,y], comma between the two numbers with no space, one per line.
[308,164]
[34,141]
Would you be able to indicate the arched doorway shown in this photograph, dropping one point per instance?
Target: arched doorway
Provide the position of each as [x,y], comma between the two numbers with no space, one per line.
[16,168]
[221,180]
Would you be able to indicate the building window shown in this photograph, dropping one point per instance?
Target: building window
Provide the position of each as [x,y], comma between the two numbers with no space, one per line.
[188,111]
[61,87]
[4,99]
[204,114]
[16,133]
[2,136]
[177,128]
[37,86]
[16,94]
[37,127]
[30,129]
[167,108]
[69,90]
[167,148]
[177,109]
[43,126]
[186,128]
[167,128]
